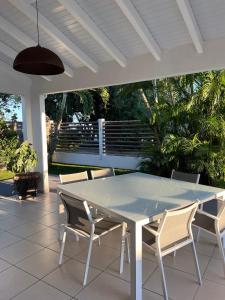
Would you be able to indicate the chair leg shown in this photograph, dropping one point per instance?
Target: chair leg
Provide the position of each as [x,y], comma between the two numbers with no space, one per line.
[220,244]
[128,249]
[88,261]
[199,230]
[196,264]
[198,235]
[123,238]
[62,247]
[163,278]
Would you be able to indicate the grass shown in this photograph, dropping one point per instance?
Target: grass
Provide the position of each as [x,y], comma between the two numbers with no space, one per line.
[58,168]
[5,174]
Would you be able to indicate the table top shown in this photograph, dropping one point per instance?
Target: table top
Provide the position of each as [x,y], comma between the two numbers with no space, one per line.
[138,197]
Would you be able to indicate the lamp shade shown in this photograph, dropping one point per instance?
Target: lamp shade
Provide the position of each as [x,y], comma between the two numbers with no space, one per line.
[38,61]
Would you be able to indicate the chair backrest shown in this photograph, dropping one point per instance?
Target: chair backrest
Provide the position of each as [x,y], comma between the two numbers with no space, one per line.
[74,177]
[175,226]
[221,215]
[78,213]
[107,172]
[189,177]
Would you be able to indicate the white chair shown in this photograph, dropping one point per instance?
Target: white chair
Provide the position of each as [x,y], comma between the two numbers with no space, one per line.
[81,222]
[74,177]
[174,232]
[103,173]
[189,177]
[213,225]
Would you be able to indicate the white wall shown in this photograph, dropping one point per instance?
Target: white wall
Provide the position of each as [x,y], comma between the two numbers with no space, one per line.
[113,161]
[13,82]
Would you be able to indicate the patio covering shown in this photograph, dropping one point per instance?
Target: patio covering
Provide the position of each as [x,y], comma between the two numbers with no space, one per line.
[106,42]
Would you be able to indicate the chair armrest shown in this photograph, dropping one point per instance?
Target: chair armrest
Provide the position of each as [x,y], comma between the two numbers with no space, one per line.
[98,220]
[152,231]
[207,214]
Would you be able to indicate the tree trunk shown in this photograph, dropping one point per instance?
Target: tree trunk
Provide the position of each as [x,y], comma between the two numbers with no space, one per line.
[149,113]
[54,137]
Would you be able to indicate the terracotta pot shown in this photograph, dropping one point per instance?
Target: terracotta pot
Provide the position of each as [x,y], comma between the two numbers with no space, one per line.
[26,184]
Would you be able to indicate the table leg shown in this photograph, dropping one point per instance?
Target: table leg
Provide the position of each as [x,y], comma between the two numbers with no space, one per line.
[136,262]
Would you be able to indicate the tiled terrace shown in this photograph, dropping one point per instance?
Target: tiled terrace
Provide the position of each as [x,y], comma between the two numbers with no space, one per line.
[29,269]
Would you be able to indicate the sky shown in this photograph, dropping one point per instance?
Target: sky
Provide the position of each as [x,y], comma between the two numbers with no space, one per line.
[18,112]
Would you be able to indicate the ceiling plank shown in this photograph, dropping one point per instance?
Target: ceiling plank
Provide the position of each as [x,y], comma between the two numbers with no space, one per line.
[18,35]
[83,18]
[192,26]
[140,27]
[55,33]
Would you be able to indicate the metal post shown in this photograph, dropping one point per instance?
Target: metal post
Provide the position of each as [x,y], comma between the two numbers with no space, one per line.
[101,137]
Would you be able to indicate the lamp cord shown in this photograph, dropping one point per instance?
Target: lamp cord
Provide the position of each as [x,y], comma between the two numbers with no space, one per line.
[37,22]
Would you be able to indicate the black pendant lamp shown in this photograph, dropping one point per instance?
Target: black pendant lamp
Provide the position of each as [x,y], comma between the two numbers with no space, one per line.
[38,60]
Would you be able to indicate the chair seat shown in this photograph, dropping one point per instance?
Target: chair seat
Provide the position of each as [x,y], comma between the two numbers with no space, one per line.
[102,227]
[204,222]
[147,237]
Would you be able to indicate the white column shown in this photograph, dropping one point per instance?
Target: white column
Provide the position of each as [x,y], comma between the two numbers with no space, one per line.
[34,130]
[27,124]
[101,137]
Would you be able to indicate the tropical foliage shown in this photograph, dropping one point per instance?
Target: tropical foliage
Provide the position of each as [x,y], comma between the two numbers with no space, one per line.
[187,114]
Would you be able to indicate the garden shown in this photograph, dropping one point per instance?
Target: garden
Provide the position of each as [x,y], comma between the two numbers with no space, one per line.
[186,114]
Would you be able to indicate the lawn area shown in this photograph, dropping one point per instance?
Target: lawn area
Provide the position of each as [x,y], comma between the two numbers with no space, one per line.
[58,168]
[4,175]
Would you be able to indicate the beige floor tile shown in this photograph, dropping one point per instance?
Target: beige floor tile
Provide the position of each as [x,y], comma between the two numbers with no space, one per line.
[4,265]
[11,222]
[44,237]
[112,239]
[101,256]
[106,287]
[40,291]
[27,229]
[41,263]
[180,285]
[111,288]
[209,291]
[7,239]
[216,253]
[184,261]
[49,219]
[148,268]
[148,254]
[205,246]
[69,277]
[214,271]
[18,251]
[72,247]
[13,281]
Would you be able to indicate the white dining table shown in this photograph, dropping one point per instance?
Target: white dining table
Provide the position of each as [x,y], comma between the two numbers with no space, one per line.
[138,199]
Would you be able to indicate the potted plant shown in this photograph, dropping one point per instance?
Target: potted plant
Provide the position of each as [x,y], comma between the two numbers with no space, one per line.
[25,159]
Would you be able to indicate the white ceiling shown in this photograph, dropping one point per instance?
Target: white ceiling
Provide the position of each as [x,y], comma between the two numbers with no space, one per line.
[90,35]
